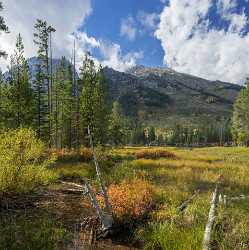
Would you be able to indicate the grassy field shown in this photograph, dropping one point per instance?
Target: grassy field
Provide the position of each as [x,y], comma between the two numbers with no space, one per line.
[146,190]
[175,179]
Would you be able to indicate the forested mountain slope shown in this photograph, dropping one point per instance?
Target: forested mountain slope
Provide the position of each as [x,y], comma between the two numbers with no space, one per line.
[159,94]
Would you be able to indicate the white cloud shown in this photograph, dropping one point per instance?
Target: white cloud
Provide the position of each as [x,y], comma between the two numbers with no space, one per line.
[237,21]
[113,57]
[21,16]
[128,29]
[191,47]
[68,17]
[148,20]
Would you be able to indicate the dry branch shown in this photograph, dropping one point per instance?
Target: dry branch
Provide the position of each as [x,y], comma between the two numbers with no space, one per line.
[184,205]
[102,185]
[211,218]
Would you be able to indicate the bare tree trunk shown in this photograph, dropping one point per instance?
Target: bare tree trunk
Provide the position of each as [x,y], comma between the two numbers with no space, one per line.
[106,219]
[103,188]
[211,218]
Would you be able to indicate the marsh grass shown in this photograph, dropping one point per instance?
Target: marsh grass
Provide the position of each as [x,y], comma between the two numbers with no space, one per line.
[174,180]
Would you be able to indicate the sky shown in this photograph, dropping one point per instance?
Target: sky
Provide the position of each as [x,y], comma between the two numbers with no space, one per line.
[206,38]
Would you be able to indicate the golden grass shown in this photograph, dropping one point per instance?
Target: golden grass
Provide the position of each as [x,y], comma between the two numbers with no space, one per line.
[176,179]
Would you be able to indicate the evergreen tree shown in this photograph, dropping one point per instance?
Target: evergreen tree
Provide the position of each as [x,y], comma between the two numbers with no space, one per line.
[151,135]
[41,39]
[94,108]
[240,120]
[4,28]
[63,103]
[20,94]
[118,124]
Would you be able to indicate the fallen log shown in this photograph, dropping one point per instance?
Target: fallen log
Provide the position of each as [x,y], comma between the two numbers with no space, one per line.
[211,218]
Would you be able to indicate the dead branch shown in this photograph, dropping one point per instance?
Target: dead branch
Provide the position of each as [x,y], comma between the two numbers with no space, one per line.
[102,185]
[86,189]
[211,218]
[184,205]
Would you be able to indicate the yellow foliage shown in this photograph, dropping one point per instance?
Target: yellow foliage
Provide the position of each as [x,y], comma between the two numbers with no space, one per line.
[23,161]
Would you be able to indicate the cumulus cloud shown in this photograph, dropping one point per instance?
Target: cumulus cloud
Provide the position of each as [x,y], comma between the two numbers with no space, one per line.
[114,58]
[191,46]
[21,16]
[69,19]
[128,28]
[148,20]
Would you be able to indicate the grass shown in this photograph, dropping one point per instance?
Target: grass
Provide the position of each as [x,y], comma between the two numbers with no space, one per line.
[175,179]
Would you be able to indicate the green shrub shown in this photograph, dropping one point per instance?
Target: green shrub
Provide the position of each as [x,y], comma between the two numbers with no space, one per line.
[23,161]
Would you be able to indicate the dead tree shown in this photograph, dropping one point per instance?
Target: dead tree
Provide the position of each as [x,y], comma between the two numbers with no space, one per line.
[101,182]
[211,218]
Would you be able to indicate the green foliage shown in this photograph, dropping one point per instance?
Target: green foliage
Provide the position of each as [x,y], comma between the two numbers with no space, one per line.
[119,125]
[94,106]
[43,81]
[23,162]
[151,135]
[18,105]
[63,106]
[240,120]
[21,233]
[170,236]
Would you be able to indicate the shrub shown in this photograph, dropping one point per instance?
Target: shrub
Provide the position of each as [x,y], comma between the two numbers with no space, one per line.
[84,154]
[131,199]
[23,161]
[154,154]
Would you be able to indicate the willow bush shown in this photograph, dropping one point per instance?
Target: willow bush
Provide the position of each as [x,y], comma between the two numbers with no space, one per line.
[24,162]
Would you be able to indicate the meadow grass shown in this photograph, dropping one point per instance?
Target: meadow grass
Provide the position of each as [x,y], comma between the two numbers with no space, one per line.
[173,181]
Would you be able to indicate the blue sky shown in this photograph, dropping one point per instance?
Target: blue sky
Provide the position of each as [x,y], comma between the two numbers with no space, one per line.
[206,38]
[105,22]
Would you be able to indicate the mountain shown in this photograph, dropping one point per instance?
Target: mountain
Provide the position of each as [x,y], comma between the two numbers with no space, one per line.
[162,95]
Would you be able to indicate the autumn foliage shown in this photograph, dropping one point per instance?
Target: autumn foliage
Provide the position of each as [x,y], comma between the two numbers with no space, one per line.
[131,199]
[154,154]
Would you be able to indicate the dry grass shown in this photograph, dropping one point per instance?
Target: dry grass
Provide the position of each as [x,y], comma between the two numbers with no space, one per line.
[154,154]
[174,179]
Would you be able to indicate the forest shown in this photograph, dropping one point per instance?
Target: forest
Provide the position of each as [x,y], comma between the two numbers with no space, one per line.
[77,172]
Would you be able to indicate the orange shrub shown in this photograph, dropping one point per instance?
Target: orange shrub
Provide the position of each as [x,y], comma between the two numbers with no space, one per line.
[154,154]
[85,154]
[131,200]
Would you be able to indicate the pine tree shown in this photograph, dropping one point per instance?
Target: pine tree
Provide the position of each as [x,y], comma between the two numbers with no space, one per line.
[63,103]
[4,28]
[118,124]
[151,135]
[240,120]
[94,107]
[41,39]
[20,92]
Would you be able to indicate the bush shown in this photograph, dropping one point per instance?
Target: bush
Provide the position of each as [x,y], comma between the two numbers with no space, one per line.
[131,199]
[154,154]
[84,154]
[23,161]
